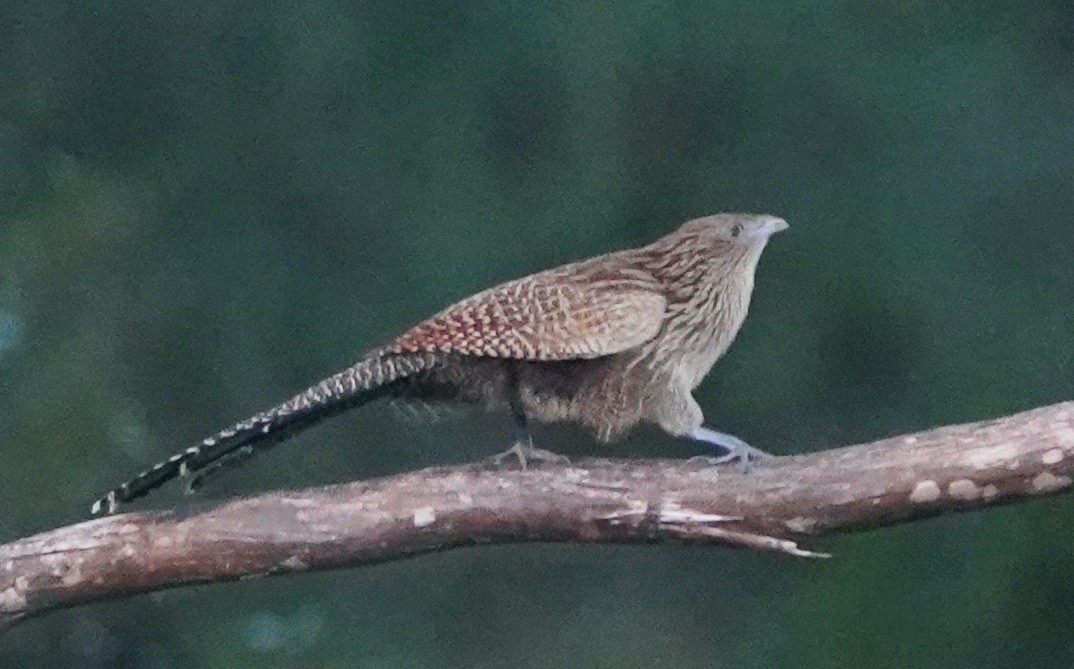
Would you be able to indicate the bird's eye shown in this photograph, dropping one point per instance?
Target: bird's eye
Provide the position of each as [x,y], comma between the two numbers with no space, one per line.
[736,230]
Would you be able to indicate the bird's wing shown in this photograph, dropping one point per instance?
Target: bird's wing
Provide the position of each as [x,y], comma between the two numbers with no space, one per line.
[562,314]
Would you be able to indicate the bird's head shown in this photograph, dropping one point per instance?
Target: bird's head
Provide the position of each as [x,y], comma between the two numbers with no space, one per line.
[735,229]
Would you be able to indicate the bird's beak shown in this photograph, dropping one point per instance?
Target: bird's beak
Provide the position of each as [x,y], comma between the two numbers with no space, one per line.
[767,226]
[774,224]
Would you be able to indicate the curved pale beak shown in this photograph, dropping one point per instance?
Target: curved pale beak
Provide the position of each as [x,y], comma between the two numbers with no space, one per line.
[773,224]
[765,227]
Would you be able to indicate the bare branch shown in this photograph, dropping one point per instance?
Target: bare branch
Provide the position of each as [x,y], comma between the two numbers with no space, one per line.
[633,501]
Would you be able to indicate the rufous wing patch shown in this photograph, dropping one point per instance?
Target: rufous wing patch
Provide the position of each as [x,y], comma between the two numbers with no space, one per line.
[540,319]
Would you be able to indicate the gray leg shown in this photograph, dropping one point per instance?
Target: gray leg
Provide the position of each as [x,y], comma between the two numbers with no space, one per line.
[523,449]
[735,447]
[681,416]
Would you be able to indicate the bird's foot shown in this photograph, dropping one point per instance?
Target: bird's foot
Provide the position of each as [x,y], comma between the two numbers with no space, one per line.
[735,447]
[525,453]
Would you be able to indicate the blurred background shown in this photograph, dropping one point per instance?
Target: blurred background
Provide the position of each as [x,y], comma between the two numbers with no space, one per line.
[205,206]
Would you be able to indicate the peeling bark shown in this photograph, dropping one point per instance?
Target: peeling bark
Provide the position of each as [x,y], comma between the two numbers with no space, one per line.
[780,502]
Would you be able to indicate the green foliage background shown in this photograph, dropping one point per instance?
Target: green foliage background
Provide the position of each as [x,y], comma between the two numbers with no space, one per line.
[204,206]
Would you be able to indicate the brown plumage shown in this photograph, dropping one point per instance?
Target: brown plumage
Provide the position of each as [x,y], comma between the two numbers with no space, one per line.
[607,342]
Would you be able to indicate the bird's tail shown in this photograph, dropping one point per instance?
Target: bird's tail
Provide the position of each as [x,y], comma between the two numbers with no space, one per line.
[365,381]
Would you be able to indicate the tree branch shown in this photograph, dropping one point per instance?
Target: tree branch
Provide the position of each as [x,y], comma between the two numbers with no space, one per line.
[623,501]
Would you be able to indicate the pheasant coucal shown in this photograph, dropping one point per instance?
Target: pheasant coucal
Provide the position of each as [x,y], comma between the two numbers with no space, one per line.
[607,342]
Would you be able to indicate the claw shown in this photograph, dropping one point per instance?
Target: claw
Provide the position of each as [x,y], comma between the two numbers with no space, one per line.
[524,452]
[735,447]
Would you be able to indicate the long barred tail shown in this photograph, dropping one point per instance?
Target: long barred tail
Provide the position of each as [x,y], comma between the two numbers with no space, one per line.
[365,381]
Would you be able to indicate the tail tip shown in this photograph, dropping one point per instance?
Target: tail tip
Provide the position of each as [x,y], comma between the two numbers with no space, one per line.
[105,506]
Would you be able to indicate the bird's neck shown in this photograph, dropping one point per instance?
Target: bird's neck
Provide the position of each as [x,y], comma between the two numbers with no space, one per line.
[708,291]
[693,272]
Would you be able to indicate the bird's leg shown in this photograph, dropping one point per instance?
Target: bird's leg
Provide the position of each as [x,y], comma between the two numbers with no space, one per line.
[735,447]
[525,452]
[681,416]
[523,449]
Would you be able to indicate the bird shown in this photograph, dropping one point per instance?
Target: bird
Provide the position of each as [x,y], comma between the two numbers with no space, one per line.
[608,342]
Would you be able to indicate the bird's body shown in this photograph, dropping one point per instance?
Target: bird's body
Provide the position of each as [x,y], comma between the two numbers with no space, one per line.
[607,342]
